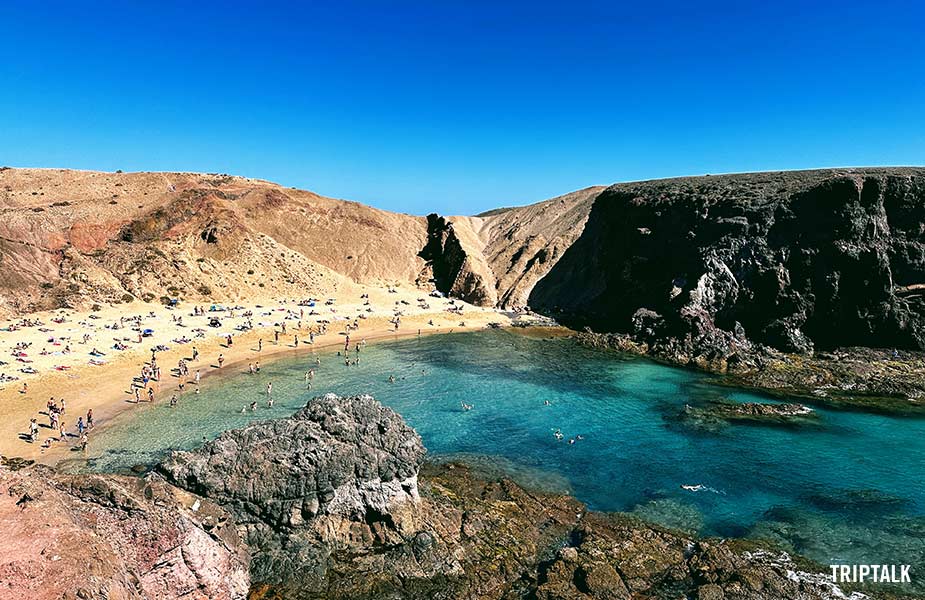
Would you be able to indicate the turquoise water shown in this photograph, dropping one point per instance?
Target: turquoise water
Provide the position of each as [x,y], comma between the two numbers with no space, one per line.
[841,487]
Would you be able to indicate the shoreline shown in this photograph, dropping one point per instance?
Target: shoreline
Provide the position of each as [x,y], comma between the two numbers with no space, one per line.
[857,378]
[108,389]
[231,369]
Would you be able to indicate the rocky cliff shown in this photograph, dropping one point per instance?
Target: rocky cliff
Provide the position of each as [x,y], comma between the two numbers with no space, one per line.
[710,265]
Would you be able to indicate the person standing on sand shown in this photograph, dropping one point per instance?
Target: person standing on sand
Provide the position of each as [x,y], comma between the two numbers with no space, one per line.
[197,376]
[195,353]
[221,360]
[150,394]
[260,345]
[84,439]
[137,396]
[90,418]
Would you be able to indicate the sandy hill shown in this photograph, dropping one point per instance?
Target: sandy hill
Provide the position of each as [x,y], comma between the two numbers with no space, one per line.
[76,238]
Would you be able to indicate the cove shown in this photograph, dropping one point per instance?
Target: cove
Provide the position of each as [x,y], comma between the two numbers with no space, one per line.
[847,486]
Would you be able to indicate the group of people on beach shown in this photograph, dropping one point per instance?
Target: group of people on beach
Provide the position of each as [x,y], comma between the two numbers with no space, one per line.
[148,380]
[55,410]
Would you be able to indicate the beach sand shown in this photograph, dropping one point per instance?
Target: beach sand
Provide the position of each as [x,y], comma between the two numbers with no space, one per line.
[107,388]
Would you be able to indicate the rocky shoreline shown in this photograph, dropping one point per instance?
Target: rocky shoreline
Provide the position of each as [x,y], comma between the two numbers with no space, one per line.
[871,379]
[337,501]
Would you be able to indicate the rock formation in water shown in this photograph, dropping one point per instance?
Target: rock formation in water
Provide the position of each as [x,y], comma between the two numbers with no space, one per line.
[96,537]
[704,267]
[336,474]
[333,507]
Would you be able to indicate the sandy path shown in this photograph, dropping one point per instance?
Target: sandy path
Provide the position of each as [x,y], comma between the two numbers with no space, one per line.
[107,388]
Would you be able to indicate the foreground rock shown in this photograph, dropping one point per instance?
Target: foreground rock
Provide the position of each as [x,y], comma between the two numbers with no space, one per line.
[108,537]
[333,506]
[338,476]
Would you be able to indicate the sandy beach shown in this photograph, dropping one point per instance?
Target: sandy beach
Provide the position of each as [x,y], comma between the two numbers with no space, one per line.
[53,345]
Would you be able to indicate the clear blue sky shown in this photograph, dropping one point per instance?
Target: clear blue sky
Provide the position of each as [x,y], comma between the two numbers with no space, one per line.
[460,106]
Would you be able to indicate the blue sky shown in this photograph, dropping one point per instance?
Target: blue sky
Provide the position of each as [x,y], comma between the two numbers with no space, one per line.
[460,106]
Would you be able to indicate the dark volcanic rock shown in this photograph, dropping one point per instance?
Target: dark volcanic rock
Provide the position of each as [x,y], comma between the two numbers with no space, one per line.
[704,267]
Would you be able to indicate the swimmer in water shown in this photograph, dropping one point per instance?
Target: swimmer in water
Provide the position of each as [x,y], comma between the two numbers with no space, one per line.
[693,488]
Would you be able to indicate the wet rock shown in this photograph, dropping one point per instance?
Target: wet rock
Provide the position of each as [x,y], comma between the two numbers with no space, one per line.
[749,411]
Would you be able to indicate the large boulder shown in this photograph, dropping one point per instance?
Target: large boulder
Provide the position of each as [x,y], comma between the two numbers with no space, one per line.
[340,473]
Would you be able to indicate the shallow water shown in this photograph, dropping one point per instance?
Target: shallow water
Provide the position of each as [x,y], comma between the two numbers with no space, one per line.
[841,487]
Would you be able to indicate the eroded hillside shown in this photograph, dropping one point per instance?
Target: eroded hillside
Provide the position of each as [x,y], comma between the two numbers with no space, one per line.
[75,238]
[69,238]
